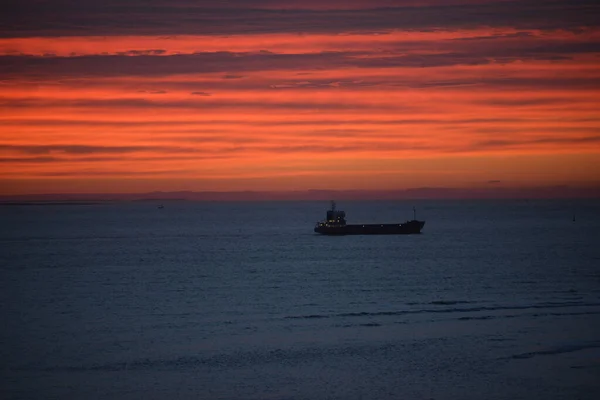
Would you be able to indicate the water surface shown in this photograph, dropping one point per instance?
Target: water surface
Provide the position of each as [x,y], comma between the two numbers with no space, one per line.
[495,300]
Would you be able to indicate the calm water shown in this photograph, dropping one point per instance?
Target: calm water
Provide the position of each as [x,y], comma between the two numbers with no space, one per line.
[495,300]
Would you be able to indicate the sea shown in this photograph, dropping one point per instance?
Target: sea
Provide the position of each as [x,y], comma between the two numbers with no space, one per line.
[496,299]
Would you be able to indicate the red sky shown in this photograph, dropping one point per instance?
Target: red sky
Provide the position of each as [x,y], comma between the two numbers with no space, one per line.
[380,95]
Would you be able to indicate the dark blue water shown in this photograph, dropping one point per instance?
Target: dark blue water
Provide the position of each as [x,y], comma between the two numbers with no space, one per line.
[495,300]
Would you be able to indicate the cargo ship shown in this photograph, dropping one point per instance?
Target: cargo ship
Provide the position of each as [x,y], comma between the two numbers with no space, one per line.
[335,224]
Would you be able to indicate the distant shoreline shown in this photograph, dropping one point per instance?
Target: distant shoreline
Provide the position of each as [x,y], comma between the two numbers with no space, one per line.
[52,203]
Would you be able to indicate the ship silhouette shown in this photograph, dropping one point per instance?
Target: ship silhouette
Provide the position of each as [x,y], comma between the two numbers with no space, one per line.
[335,224]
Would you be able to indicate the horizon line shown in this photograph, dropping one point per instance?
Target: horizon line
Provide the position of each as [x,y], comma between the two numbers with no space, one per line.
[418,193]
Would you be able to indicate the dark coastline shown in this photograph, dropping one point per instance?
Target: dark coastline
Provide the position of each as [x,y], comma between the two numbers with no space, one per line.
[422,193]
[52,203]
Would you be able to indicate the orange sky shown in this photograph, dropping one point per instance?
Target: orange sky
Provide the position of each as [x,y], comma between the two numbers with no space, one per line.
[393,108]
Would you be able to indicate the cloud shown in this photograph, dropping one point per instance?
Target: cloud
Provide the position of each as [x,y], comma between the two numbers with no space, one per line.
[197,104]
[539,101]
[223,87]
[501,36]
[149,52]
[352,145]
[518,142]
[114,66]
[18,160]
[87,149]
[323,84]
[152,91]
[114,173]
[429,52]
[31,18]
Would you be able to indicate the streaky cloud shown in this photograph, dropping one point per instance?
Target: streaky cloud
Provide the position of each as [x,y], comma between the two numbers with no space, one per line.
[86,149]
[32,18]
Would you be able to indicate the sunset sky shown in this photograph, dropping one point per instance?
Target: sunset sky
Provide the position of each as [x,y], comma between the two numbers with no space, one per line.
[169,95]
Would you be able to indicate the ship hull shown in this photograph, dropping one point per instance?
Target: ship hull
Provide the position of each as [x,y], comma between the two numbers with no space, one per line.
[406,228]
